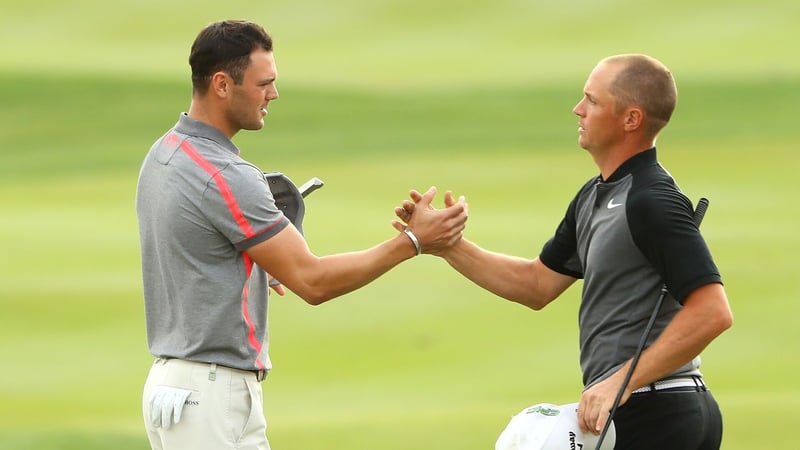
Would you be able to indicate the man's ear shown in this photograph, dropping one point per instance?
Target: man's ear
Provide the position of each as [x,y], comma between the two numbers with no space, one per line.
[634,119]
[220,84]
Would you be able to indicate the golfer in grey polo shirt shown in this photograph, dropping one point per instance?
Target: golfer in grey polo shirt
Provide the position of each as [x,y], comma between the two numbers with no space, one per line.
[210,232]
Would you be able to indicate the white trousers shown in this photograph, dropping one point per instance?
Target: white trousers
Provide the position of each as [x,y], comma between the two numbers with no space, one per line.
[224,411]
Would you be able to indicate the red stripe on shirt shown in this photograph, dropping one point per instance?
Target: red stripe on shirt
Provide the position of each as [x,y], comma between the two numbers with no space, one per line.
[247,229]
[251,328]
[222,185]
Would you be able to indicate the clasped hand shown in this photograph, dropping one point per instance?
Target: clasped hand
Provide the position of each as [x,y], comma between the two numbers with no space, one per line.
[436,229]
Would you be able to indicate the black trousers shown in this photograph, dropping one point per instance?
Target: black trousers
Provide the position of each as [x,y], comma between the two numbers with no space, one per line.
[678,419]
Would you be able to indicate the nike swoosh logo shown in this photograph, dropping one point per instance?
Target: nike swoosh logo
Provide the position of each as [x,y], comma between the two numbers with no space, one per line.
[612,205]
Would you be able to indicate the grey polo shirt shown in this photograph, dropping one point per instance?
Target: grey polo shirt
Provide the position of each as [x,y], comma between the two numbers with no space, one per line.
[200,205]
[626,237]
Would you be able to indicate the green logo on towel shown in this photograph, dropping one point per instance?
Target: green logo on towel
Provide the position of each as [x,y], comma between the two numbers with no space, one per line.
[543,411]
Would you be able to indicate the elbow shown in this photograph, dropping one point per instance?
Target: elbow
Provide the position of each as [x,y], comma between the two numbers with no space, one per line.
[536,303]
[725,321]
[711,305]
[720,322]
[536,306]
[315,291]
[718,325]
[316,298]
[724,316]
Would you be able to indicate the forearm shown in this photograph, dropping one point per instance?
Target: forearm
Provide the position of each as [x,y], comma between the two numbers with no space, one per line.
[513,278]
[336,275]
[706,314]
[315,279]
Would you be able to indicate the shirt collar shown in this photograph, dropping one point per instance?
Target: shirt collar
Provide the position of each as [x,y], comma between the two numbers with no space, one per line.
[632,164]
[192,127]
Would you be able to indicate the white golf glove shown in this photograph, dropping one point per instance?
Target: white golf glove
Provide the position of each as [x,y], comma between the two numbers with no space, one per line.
[166,406]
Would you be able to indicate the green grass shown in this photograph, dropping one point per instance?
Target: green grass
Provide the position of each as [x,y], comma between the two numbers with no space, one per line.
[413,44]
[481,104]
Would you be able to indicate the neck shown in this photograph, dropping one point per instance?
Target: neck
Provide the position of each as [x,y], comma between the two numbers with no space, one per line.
[610,160]
[203,112]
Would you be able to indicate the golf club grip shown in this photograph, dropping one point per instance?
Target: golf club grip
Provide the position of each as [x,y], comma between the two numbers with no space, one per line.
[700,211]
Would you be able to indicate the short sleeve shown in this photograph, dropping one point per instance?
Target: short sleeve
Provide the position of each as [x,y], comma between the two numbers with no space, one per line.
[560,253]
[238,202]
[663,228]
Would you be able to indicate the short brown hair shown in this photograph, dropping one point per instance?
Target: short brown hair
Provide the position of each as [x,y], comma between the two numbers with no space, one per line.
[225,46]
[646,82]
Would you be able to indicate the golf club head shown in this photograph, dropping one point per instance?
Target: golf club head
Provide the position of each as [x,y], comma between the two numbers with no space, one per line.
[289,198]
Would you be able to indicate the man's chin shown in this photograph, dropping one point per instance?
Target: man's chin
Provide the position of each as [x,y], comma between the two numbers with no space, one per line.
[255,126]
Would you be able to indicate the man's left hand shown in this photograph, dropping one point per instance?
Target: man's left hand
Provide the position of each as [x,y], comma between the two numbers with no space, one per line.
[596,402]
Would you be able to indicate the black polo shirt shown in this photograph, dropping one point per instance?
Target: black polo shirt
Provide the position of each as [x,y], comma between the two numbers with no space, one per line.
[626,237]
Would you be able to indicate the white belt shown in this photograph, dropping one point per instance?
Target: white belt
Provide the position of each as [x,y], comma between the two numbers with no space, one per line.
[693,382]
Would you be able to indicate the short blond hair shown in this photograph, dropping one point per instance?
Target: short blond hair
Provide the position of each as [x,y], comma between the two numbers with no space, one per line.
[645,82]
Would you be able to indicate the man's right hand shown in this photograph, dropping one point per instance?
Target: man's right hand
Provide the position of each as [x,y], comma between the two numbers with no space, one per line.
[436,229]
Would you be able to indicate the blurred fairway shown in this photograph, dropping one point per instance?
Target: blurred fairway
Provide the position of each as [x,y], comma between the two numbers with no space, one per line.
[377,98]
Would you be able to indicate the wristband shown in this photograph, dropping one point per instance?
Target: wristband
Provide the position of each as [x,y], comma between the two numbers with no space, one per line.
[414,240]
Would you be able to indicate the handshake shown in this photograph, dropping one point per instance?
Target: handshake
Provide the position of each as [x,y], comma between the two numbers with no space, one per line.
[432,230]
